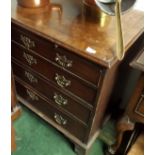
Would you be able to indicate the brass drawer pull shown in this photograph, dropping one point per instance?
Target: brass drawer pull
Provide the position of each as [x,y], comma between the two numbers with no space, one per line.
[59,119]
[29,58]
[28,43]
[32,95]
[62,81]
[63,61]
[59,99]
[30,77]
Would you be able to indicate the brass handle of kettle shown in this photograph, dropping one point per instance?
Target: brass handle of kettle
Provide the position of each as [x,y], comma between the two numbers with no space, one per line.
[119,37]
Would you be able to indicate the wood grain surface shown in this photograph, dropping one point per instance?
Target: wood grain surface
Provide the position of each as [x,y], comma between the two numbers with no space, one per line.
[67,25]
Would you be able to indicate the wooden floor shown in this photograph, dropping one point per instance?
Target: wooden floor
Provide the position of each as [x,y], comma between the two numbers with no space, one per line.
[138,147]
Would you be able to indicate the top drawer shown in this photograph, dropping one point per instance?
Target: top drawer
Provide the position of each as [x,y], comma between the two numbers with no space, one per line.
[53,52]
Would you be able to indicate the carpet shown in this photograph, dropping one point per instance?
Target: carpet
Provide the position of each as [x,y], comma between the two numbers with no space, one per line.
[36,137]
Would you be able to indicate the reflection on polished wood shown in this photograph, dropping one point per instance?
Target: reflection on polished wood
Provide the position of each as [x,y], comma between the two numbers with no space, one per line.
[33,3]
[42,15]
[76,33]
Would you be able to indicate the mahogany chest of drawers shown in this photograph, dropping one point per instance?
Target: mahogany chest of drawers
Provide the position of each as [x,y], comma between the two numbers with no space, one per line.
[54,82]
[61,73]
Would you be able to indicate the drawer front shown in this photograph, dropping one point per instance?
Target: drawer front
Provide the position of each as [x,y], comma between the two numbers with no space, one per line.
[140,106]
[58,76]
[54,114]
[64,58]
[52,93]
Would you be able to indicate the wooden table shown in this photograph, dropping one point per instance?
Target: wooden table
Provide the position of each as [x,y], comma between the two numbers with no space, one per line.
[134,112]
[135,108]
[65,64]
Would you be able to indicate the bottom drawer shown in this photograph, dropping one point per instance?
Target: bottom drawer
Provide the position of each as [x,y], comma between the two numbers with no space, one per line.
[74,127]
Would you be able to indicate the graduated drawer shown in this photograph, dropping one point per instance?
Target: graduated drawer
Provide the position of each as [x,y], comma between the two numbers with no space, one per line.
[38,102]
[53,52]
[52,93]
[54,74]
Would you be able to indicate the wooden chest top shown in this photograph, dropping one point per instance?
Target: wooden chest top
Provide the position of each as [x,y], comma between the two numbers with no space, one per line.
[69,28]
